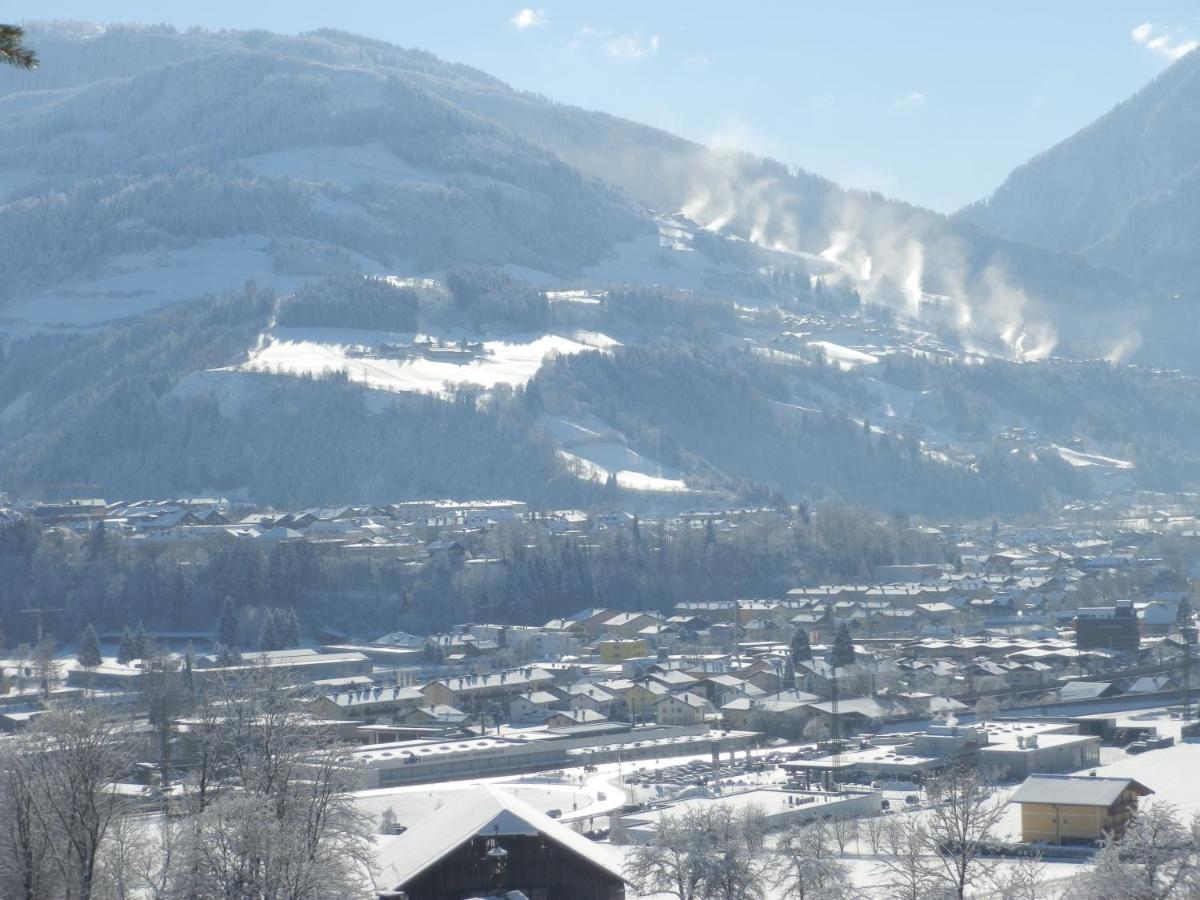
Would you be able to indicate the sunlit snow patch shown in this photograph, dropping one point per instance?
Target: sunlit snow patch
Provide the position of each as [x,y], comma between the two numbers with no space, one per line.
[513,362]
[1077,458]
[843,357]
[627,478]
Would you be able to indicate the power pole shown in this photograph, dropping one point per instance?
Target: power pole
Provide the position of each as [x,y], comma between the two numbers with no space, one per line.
[1189,638]
[835,728]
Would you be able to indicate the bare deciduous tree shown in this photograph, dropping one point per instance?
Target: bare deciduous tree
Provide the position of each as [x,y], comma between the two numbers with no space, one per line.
[1023,880]
[78,757]
[27,850]
[875,826]
[713,853]
[845,830]
[903,867]
[809,871]
[962,821]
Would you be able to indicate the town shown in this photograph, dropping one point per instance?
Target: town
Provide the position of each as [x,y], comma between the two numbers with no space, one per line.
[1053,660]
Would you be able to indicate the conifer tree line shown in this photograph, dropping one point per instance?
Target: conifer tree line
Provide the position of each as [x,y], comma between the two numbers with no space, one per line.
[258,596]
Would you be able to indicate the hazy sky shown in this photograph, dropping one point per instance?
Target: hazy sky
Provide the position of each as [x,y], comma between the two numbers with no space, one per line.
[932,102]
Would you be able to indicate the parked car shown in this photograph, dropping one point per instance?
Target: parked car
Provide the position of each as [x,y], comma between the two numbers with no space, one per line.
[1137,747]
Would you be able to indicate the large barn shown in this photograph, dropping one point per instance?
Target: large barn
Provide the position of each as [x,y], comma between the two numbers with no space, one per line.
[482,841]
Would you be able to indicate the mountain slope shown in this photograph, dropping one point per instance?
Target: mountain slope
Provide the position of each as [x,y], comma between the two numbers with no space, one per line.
[1121,192]
[460,288]
[284,157]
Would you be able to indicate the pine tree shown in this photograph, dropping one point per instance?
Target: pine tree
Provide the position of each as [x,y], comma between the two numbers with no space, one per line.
[801,649]
[127,650]
[189,661]
[291,629]
[141,643]
[226,655]
[89,649]
[842,653]
[13,51]
[270,636]
[227,624]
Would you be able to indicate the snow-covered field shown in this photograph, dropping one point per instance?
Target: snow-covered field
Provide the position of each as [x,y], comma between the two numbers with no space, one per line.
[843,357]
[633,471]
[1081,459]
[505,362]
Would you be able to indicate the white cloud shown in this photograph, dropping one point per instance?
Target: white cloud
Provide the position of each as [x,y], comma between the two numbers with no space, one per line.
[619,46]
[909,101]
[529,18]
[1165,42]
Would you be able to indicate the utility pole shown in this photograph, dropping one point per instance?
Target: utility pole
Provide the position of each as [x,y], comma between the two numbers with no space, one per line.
[835,728]
[1189,638]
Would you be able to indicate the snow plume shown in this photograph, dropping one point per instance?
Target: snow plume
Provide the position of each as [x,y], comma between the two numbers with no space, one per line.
[907,259]
[732,188]
[898,256]
[1124,347]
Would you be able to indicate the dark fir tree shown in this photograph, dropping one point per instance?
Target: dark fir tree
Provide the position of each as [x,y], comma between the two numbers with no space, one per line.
[270,636]
[126,649]
[227,624]
[89,649]
[141,642]
[189,663]
[842,653]
[13,51]
[801,649]
[291,629]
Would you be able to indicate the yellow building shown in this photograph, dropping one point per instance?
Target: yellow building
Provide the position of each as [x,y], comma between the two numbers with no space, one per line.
[620,650]
[1059,809]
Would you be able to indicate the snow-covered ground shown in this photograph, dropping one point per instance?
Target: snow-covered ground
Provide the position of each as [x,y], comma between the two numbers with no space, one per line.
[843,357]
[594,452]
[140,282]
[1081,459]
[512,361]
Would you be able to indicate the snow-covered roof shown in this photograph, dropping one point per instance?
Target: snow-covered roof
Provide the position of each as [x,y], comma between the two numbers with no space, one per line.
[482,810]
[1075,790]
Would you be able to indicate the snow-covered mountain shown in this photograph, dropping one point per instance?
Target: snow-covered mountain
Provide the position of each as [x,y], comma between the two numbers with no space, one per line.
[1122,192]
[326,269]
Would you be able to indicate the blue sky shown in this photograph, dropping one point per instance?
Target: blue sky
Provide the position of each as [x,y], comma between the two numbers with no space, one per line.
[931,102]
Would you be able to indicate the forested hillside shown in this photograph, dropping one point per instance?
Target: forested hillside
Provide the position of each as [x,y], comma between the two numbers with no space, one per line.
[322,269]
[1122,192]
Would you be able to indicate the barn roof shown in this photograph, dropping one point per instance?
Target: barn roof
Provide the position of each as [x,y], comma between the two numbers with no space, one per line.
[480,810]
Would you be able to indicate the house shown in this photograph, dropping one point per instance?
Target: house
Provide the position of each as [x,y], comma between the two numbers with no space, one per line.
[534,706]
[644,696]
[483,842]
[589,696]
[628,624]
[720,689]
[367,703]
[681,709]
[1060,809]
[855,713]
[618,650]
[567,718]
[771,714]
[473,692]
[436,714]
[673,679]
